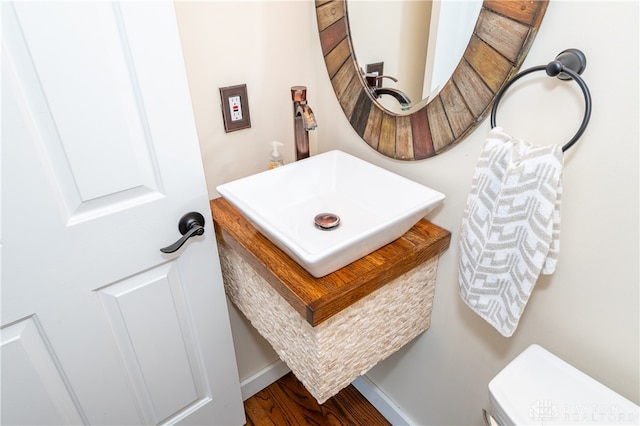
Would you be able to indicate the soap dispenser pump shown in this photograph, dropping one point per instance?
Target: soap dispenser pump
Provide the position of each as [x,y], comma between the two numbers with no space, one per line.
[276,158]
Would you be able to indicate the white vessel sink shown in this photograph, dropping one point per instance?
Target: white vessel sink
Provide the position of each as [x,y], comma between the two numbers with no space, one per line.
[375,207]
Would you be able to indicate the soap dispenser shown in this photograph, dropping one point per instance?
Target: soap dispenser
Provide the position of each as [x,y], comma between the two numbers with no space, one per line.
[276,158]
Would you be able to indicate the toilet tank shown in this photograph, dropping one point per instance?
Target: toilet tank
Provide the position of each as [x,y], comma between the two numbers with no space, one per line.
[538,388]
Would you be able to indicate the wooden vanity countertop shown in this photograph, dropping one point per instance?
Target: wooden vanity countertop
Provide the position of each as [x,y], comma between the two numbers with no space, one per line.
[317,299]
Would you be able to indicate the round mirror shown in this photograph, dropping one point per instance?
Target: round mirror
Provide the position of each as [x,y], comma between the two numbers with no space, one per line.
[501,38]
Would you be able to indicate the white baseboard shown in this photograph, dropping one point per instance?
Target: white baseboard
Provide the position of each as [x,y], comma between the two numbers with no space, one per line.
[381,402]
[263,378]
[271,373]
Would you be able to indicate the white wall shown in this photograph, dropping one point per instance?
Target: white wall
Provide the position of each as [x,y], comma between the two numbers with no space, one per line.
[587,312]
[267,46]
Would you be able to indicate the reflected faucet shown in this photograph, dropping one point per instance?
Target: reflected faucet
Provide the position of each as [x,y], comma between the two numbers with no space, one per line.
[303,121]
[403,99]
[372,78]
[376,92]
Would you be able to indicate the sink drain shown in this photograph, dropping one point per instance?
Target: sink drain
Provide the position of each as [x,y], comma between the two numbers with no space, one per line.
[326,221]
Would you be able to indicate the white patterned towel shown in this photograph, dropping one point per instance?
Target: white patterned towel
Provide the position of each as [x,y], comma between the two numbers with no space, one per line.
[510,227]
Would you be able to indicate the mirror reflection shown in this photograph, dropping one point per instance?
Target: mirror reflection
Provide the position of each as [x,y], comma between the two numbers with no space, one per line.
[501,38]
[409,49]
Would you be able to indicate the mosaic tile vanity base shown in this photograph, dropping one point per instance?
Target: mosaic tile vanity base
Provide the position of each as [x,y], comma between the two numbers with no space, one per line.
[328,357]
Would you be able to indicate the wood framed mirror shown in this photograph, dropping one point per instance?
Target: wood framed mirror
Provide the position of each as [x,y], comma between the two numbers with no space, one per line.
[500,41]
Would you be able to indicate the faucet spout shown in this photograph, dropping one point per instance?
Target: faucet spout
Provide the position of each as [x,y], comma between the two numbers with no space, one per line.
[401,97]
[308,118]
[303,121]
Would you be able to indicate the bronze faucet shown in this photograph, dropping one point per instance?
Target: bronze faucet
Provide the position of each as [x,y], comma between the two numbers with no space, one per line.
[303,121]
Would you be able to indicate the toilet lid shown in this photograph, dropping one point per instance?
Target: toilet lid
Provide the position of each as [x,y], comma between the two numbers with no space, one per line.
[539,388]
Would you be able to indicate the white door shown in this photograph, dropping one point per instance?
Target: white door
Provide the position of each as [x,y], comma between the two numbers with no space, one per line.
[100,160]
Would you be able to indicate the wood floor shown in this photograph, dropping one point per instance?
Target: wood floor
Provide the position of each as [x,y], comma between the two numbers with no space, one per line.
[286,402]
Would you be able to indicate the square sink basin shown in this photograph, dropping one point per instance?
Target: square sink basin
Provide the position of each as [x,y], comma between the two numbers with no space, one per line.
[374,206]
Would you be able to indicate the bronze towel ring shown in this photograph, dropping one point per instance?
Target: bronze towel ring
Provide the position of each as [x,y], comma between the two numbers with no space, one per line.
[568,65]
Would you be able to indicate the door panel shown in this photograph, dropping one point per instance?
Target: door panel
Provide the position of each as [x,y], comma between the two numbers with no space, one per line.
[106,113]
[69,114]
[99,161]
[153,337]
[43,396]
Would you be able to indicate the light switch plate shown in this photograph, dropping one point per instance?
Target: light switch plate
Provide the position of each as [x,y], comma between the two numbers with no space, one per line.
[235,108]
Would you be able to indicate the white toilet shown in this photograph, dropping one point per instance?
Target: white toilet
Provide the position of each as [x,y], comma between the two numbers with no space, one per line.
[538,388]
